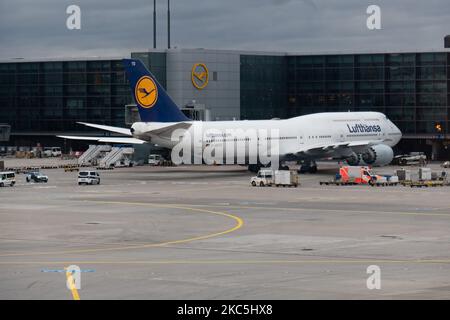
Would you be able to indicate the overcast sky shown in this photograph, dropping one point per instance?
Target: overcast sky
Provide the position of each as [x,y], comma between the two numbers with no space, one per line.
[37,28]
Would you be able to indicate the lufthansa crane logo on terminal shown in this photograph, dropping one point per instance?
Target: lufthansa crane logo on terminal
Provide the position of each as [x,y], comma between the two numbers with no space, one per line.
[146,92]
[200,76]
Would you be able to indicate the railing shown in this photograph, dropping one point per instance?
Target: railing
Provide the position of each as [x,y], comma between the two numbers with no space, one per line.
[116,154]
[92,152]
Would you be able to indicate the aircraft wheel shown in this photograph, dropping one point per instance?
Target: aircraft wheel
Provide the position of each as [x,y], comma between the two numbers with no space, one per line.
[313,169]
[254,168]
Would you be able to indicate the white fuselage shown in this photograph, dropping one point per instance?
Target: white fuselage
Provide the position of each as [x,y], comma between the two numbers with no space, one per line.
[294,135]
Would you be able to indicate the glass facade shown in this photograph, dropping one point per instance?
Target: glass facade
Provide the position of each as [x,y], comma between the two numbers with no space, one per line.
[412,89]
[53,96]
[263,87]
[156,62]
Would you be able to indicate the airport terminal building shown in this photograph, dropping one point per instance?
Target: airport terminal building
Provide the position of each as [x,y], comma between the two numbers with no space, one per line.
[40,99]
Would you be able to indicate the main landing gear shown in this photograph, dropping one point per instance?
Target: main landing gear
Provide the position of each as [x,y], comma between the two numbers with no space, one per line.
[256,167]
[305,167]
[308,167]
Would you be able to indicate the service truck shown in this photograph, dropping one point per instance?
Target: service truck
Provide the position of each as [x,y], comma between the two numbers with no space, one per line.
[286,178]
[269,177]
[352,175]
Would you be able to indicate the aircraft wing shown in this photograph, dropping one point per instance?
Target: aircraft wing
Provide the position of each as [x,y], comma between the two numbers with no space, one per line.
[106,139]
[120,130]
[326,147]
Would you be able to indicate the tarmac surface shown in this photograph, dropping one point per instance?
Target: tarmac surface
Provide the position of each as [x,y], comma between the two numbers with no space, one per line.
[204,233]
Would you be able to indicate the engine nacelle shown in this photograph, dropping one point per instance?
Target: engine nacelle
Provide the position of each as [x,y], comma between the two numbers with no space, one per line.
[354,159]
[378,155]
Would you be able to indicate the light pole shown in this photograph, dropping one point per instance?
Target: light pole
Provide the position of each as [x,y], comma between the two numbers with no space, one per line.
[168,24]
[154,24]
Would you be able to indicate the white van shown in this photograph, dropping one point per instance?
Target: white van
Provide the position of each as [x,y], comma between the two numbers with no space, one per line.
[7,178]
[155,160]
[263,178]
[52,152]
[88,177]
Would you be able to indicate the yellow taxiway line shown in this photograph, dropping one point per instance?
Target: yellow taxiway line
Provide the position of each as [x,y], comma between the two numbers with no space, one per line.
[359,212]
[238,224]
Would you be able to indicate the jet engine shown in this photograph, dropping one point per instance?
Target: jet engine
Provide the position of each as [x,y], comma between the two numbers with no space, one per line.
[378,155]
[354,159]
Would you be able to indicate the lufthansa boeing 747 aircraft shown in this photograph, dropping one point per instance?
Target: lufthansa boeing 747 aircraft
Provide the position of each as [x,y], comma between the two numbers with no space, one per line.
[356,137]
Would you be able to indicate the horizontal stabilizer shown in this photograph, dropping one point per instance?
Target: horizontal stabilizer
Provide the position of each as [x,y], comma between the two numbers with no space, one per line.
[106,139]
[120,130]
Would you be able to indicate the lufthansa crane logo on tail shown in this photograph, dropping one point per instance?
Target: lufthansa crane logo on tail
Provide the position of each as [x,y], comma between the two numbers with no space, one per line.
[146,92]
[199,76]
